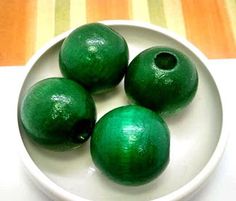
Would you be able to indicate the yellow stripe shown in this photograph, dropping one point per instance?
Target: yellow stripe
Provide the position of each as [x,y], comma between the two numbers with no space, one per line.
[77,13]
[231,8]
[45,22]
[62,16]
[156,12]
[174,16]
[140,10]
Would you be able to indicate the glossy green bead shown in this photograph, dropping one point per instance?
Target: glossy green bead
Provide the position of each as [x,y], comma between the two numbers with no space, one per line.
[162,79]
[95,56]
[58,113]
[130,145]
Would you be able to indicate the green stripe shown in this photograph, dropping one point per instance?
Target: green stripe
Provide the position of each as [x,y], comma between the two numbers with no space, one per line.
[156,12]
[62,16]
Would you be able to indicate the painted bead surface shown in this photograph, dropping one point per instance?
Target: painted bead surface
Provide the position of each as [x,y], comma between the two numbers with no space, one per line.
[95,56]
[58,113]
[130,145]
[162,79]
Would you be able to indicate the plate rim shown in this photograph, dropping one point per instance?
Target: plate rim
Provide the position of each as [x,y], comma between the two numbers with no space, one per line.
[52,189]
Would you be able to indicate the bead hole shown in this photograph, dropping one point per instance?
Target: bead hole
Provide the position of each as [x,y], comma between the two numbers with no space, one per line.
[82,130]
[165,61]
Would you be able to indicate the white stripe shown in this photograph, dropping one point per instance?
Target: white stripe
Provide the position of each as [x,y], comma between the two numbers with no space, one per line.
[45,22]
[140,10]
[77,13]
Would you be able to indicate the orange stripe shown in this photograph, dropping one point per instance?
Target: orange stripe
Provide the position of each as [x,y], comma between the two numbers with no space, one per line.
[207,26]
[13,32]
[108,9]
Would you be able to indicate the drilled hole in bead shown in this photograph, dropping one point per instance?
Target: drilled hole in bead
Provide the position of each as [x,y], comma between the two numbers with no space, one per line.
[82,130]
[165,61]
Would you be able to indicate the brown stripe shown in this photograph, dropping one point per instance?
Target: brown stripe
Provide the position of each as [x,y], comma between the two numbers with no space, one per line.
[208,27]
[108,9]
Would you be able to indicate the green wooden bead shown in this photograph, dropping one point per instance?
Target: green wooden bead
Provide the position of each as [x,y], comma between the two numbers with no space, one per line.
[95,56]
[58,113]
[130,145]
[162,79]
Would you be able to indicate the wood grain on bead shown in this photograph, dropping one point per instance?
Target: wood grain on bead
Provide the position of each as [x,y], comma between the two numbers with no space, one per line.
[58,114]
[162,79]
[130,145]
[95,56]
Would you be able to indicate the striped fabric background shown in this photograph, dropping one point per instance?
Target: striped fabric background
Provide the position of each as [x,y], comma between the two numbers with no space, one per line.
[25,25]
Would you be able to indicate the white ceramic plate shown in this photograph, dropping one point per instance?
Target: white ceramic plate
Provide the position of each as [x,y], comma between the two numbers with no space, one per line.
[197,138]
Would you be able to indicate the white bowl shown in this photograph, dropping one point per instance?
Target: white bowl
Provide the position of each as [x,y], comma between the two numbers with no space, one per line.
[197,135]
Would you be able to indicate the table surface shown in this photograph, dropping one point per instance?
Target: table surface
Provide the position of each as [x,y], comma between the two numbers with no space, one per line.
[16,185]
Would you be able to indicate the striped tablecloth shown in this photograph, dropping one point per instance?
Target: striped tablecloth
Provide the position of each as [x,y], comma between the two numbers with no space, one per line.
[25,25]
